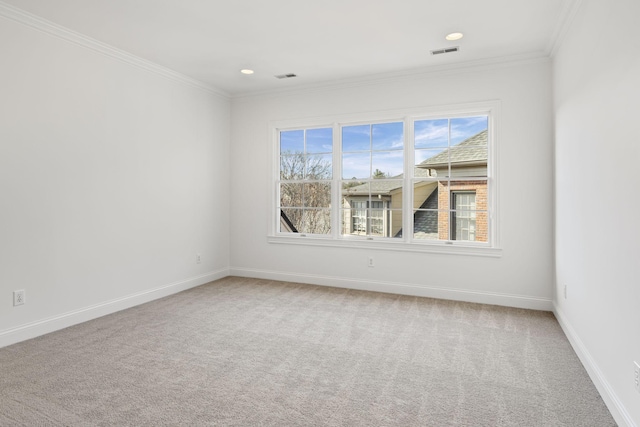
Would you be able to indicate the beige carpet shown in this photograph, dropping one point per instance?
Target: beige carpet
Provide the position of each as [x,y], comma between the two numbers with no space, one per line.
[245,352]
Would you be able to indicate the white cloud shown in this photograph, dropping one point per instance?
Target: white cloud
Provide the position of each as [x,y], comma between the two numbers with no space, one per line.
[432,133]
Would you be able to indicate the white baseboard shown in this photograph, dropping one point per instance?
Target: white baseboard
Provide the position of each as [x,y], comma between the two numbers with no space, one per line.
[400,288]
[51,324]
[617,409]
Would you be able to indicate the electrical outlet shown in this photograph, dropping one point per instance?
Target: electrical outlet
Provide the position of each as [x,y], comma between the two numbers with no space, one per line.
[198,259]
[636,375]
[18,297]
[371,264]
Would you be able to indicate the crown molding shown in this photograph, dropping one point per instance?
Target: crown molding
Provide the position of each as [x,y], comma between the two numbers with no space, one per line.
[416,73]
[567,16]
[48,27]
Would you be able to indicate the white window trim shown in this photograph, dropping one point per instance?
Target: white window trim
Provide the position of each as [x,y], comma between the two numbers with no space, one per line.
[491,249]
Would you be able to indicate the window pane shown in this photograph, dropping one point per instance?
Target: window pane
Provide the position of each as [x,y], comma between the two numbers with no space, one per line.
[361,217]
[312,221]
[428,158]
[477,186]
[358,215]
[425,225]
[482,226]
[387,136]
[464,224]
[450,210]
[351,189]
[318,166]
[292,167]
[292,141]
[306,207]
[372,208]
[287,218]
[431,133]
[320,140]
[466,154]
[317,195]
[384,189]
[291,195]
[387,164]
[465,127]
[469,226]
[425,204]
[425,194]
[316,221]
[356,165]
[394,220]
[356,138]
[464,161]
[379,222]
[468,161]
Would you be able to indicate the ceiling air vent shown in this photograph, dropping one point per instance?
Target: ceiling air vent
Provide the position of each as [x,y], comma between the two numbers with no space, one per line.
[285,76]
[445,50]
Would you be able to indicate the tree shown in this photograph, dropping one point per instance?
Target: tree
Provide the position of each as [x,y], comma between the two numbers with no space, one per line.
[305,195]
[378,174]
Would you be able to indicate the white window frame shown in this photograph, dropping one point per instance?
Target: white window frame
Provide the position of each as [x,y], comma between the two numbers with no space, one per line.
[490,248]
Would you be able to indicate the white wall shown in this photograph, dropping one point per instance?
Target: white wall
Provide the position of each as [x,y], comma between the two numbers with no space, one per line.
[521,277]
[112,178]
[597,109]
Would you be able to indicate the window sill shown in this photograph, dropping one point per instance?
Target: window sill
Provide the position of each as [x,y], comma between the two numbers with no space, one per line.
[452,248]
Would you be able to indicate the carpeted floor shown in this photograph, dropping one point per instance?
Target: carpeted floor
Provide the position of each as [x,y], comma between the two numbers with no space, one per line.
[246,352]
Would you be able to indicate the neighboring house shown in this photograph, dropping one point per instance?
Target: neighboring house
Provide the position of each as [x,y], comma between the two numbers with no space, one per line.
[456,211]
[385,206]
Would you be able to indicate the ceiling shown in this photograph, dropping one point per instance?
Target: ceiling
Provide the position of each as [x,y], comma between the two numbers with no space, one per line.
[319,41]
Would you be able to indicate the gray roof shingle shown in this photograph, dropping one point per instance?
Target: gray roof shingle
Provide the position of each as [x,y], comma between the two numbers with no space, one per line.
[471,150]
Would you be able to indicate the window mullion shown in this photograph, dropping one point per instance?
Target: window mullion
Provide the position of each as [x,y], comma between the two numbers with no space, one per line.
[407,189]
[369,198]
[450,214]
[336,210]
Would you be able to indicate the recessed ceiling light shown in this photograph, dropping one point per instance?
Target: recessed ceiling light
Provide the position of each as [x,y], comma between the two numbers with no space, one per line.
[454,36]
[246,71]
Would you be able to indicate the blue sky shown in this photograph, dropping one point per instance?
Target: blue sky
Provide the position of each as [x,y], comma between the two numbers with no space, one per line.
[385,139]
[318,140]
[381,136]
[435,133]
[432,136]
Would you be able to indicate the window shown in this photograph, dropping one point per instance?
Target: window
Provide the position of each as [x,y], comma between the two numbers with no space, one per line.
[372,161]
[463,216]
[305,181]
[359,217]
[368,218]
[451,179]
[413,182]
